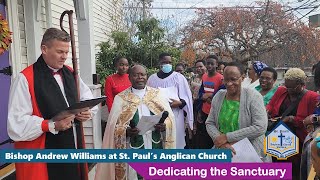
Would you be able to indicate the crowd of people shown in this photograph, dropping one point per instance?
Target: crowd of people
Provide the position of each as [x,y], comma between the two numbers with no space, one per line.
[219,105]
[222,103]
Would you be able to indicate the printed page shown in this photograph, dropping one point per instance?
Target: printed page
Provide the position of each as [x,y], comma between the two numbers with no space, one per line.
[171,93]
[245,152]
[147,123]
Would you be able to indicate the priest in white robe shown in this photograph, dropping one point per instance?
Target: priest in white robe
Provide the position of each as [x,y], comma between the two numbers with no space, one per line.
[127,109]
[177,86]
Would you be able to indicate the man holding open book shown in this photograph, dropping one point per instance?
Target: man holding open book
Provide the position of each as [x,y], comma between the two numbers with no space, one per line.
[38,94]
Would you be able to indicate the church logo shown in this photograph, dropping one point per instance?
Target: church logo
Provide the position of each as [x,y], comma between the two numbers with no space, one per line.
[281,142]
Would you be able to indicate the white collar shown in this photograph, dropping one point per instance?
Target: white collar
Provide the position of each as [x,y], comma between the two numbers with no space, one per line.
[139,92]
[53,69]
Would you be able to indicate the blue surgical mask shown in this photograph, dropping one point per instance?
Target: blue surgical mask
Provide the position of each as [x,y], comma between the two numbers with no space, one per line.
[166,68]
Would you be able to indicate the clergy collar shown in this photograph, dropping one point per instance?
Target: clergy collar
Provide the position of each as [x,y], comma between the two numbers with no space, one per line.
[139,92]
[53,69]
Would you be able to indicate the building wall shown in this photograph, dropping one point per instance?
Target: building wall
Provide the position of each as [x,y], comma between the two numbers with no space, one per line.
[57,8]
[23,43]
[43,18]
[106,18]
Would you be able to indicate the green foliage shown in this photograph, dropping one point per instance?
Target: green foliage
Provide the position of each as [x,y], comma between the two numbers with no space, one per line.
[143,48]
[151,71]
[105,61]
[149,31]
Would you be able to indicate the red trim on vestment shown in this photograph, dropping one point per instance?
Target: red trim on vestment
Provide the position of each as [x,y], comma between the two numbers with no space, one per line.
[70,68]
[36,171]
[45,125]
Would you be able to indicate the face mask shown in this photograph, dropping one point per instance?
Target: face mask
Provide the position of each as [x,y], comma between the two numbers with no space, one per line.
[166,68]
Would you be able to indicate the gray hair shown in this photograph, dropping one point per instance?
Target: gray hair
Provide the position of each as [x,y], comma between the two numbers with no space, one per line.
[54,33]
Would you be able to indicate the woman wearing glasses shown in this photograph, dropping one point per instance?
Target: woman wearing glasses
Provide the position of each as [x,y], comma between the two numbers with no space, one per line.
[237,113]
[293,103]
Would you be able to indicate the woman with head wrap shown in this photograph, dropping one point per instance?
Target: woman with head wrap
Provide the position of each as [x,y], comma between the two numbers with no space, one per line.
[293,103]
[255,69]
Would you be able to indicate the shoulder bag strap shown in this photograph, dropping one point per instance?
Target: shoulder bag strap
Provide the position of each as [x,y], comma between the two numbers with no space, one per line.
[294,104]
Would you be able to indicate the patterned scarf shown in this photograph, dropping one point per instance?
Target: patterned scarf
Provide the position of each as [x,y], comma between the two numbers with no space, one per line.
[258,66]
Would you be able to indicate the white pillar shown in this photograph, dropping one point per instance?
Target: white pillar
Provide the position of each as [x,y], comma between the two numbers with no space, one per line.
[87,63]
[96,120]
[84,11]
[33,29]
[15,52]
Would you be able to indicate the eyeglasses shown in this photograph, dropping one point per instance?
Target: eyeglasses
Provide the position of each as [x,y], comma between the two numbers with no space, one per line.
[231,80]
[292,89]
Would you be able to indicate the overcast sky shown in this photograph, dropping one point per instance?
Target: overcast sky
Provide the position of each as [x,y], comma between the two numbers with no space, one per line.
[173,18]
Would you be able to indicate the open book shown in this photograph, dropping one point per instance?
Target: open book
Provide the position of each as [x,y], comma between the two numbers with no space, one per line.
[78,107]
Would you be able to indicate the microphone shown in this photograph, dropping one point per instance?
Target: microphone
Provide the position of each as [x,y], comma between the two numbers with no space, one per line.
[132,124]
[164,116]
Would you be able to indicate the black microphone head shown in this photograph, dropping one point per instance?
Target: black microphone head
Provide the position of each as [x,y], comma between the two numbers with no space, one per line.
[132,125]
[164,116]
